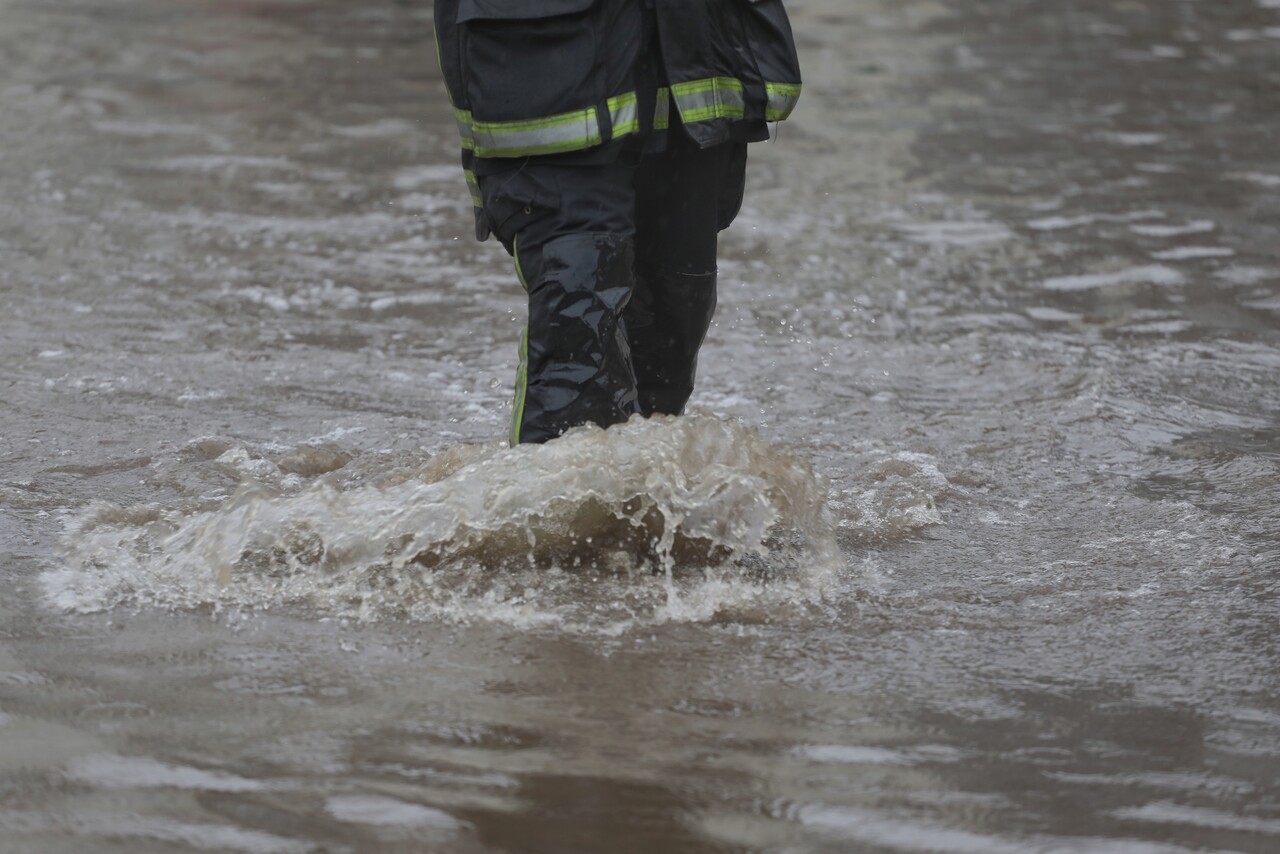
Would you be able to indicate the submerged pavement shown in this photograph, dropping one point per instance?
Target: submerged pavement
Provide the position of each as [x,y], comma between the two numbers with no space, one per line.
[1000,323]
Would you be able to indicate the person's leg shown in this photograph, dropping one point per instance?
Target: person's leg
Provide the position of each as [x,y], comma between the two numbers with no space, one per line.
[684,197]
[570,230]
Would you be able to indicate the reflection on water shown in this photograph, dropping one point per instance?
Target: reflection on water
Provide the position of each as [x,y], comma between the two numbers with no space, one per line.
[971,547]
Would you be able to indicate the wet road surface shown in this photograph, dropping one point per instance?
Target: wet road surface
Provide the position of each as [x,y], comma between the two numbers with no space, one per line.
[987,428]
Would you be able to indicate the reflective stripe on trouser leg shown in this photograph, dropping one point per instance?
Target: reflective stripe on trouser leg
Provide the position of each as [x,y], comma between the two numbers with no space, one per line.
[515,253]
[522,367]
[522,382]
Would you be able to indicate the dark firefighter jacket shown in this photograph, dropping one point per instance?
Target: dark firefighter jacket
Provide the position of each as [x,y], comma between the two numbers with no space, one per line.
[533,77]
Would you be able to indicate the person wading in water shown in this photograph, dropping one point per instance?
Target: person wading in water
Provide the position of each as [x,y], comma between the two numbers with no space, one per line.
[605,144]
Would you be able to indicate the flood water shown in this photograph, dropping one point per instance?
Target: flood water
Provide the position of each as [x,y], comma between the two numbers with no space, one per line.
[972,543]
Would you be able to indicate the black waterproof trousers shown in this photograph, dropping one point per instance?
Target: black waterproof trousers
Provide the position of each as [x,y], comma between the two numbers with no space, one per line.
[619,262]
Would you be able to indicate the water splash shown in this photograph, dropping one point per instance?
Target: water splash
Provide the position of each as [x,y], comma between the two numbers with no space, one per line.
[657,520]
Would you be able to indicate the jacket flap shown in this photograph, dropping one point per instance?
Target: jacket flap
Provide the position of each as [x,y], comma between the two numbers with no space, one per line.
[513,10]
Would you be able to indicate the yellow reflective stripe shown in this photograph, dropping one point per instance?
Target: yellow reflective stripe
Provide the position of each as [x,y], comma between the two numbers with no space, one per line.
[571,131]
[716,111]
[701,100]
[474,186]
[564,132]
[522,387]
[709,98]
[515,252]
[783,98]
[522,368]
[706,84]
[662,110]
[462,119]
[624,114]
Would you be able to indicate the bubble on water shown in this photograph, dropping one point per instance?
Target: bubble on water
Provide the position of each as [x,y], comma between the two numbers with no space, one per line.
[655,520]
[953,233]
[1151,274]
[897,495]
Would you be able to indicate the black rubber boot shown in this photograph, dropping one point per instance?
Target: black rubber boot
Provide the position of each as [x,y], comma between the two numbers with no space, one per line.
[667,320]
[576,362]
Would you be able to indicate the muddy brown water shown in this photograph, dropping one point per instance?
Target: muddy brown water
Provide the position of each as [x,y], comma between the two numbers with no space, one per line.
[972,545]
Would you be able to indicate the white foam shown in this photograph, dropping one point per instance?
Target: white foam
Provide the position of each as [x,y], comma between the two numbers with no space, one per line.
[147,128]
[1189,253]
[426,297]
[651,521]
[1166,812]
[421,176]
[1056,223]
[214,837]
[192,396]
[867,755]
[1148,275]
[881,831]
[1134,139]
[426,202]
[1255,716]
[1183,782]
[871,829]
[1248,35]
[1262,179]
[949,233]
[1245,276]
[1160,327]
[900,497]
[375,130]
[1265,304]
[389,812]
[111,771]
[1198,226]
[216,162]
[1048,314]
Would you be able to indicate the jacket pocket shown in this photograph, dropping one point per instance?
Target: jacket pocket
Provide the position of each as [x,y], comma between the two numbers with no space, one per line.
[524,61]
[515,198]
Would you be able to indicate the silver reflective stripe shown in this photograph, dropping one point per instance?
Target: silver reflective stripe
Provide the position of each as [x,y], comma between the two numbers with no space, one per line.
[702,100]
[709,98]
[463,120]
[565,132]
[522,389]
[783,98]
[624,114]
